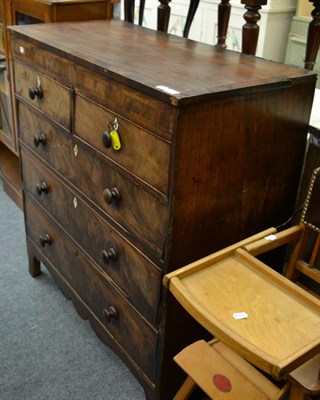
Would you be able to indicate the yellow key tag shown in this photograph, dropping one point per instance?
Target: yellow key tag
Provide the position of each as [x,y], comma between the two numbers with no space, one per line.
[115,140]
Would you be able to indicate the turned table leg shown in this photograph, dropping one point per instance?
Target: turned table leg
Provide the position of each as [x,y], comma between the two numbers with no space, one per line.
[250,30]
[164,11]
[129,10]
[224,9]
[313,38]
[141,11]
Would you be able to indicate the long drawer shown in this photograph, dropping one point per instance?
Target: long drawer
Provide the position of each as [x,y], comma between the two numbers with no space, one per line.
[103,299]
[45,61]
[142,214]
[141,153]
[134,273]
[43,93]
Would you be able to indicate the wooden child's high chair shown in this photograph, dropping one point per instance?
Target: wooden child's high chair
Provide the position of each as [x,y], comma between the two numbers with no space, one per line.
[259,317]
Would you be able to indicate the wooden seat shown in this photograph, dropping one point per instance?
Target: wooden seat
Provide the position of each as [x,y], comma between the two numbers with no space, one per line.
[223,374]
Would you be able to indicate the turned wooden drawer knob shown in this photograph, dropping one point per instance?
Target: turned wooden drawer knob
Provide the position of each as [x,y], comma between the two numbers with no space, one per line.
[45,240]
[110,313]
[110,254]
[39,139]
[111,195]
[42,188]
[35,92]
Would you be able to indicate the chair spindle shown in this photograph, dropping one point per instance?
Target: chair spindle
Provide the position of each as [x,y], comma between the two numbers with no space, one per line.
[191,13]
[141,11]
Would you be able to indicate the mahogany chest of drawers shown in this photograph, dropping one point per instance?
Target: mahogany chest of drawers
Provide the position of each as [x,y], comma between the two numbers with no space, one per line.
[212,146]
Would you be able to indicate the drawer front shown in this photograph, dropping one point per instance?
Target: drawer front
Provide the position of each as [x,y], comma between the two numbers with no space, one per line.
[128,268]
[141,214]
[56,99]
[141,153]
[49,63]
[105,302]
[144,110]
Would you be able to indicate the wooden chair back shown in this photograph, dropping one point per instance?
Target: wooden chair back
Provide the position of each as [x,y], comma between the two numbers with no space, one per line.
[250,30]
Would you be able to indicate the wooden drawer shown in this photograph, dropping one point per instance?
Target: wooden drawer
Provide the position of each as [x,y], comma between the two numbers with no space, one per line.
[144,110]
[141,213]
[128,268]
[127,326]
[56,99]
[141,153]
[49,63]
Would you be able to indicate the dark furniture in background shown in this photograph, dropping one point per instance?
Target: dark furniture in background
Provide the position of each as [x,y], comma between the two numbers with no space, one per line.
[212,147]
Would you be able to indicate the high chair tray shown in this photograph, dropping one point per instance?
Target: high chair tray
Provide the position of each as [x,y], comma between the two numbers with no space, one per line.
[256,311]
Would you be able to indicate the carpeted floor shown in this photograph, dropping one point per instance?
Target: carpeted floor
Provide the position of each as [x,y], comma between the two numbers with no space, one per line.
[47,352]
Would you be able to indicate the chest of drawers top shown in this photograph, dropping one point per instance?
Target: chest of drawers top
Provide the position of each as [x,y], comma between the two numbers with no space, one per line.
[171,69]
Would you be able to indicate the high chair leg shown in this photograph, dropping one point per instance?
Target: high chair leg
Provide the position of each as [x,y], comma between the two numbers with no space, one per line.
[186,389]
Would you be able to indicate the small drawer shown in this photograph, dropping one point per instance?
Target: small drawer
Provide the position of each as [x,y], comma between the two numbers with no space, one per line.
[141,213]
[104,301]
[143,110]
[141,153]
[43,93]
[129,269]
[47,62]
